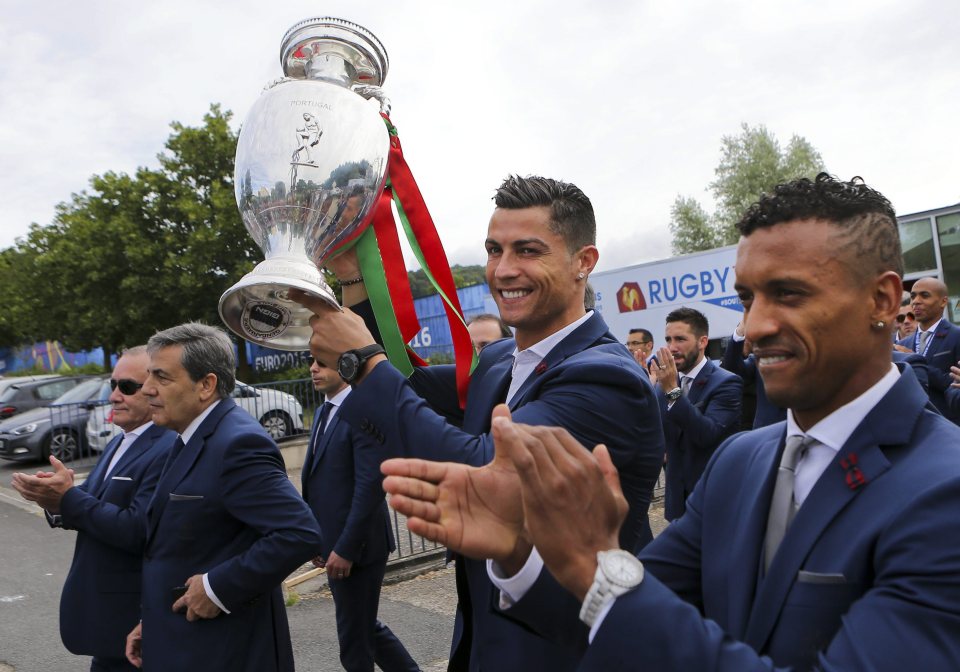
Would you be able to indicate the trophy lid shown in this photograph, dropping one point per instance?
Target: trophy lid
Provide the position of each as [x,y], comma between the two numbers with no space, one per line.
[354,43]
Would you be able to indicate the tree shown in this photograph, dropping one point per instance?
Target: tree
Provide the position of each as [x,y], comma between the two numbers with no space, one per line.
[751,163]
[135,254]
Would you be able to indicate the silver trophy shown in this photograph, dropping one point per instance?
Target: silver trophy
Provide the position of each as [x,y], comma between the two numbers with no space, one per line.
[311,162]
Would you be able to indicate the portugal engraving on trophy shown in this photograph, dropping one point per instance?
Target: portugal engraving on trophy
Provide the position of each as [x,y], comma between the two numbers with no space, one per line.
[264,320]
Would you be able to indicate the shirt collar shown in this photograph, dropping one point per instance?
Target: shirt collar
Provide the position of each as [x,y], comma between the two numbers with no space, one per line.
[192,427]
[932,328]
[695,371]
[541,349]
[835,429]
[340,396]
[140,430]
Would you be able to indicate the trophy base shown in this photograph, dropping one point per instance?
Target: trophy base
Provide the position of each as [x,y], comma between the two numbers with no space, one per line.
[258,308]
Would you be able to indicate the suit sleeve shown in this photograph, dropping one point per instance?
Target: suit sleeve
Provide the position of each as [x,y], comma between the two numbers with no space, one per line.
[707,427]
[596,400]
[734,361]
[368,499]
[117,526]
[909,619]
[258,493]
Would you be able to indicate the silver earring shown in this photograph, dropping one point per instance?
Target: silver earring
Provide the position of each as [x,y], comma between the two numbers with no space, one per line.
[580,277]
[880,324]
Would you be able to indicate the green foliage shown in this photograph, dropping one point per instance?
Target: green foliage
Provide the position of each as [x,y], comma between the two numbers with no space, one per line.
[463,276]
[134,254]
[691,227]
[751,163]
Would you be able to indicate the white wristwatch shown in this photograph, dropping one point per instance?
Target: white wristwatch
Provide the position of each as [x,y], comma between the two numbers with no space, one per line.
[618,572]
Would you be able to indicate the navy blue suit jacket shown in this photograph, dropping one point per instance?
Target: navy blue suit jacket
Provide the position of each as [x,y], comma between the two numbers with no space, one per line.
[100,603]
[693,428]
[866,577]
[746,367]
[342,484]
[224,506]
[589,384]
[942,353]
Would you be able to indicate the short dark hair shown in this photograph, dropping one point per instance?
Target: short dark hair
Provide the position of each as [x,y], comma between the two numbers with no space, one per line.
[694,318]
[644,334]
[571,213]
[490,317]
[206,350]
[865,216]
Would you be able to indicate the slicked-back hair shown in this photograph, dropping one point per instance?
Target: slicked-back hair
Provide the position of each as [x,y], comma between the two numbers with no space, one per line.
[693,318]
[206,350]
[644,333]
[865,218]
[490,317]
[571,213]
[134,351]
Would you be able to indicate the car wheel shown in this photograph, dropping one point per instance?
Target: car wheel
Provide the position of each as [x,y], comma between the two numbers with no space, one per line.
[63,445]
[277,424]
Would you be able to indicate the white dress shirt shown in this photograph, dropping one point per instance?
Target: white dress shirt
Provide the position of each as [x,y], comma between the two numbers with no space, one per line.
[128,439]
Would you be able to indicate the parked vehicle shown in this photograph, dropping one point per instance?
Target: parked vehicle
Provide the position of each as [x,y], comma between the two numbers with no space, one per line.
[100,429]
[56,430]
[279,412]
[24,394]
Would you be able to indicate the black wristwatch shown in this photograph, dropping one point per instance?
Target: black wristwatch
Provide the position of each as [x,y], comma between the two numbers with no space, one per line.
[351,362]
[674,394]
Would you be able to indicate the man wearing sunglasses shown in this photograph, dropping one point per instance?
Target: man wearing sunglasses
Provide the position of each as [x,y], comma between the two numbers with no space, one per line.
[100,602]
[906,322]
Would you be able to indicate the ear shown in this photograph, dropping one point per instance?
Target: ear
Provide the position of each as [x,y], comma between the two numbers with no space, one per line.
[888,290]
[703,341]
[208,386]
[587,258]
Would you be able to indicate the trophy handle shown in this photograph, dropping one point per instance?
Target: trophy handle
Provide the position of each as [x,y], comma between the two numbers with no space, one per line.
[369,91]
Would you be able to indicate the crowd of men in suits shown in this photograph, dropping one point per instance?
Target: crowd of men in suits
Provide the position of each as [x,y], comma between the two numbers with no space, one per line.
[818,540]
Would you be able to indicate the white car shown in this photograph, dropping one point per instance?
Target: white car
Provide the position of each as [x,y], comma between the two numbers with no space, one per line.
[279,412]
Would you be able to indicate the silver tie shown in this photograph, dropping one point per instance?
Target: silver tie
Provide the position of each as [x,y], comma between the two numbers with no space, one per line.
[924,335]
[782,505]
[685,383]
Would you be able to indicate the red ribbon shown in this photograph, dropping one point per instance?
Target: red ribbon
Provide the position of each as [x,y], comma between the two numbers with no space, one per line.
[409,196]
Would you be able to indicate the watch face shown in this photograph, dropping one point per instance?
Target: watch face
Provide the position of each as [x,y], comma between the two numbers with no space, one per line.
[347,366]
[622,568]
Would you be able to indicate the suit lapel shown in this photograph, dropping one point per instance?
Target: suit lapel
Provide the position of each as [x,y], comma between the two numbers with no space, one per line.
[700,382]
[136,451]
[857,464]
[96,476]
[179,465]
[308,459]
[324,441]
[938,339]
[578,340]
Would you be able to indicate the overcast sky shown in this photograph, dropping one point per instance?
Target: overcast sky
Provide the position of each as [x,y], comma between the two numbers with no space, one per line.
[629,100]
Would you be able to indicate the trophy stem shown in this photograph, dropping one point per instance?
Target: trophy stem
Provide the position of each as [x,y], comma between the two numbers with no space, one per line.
[330,67]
